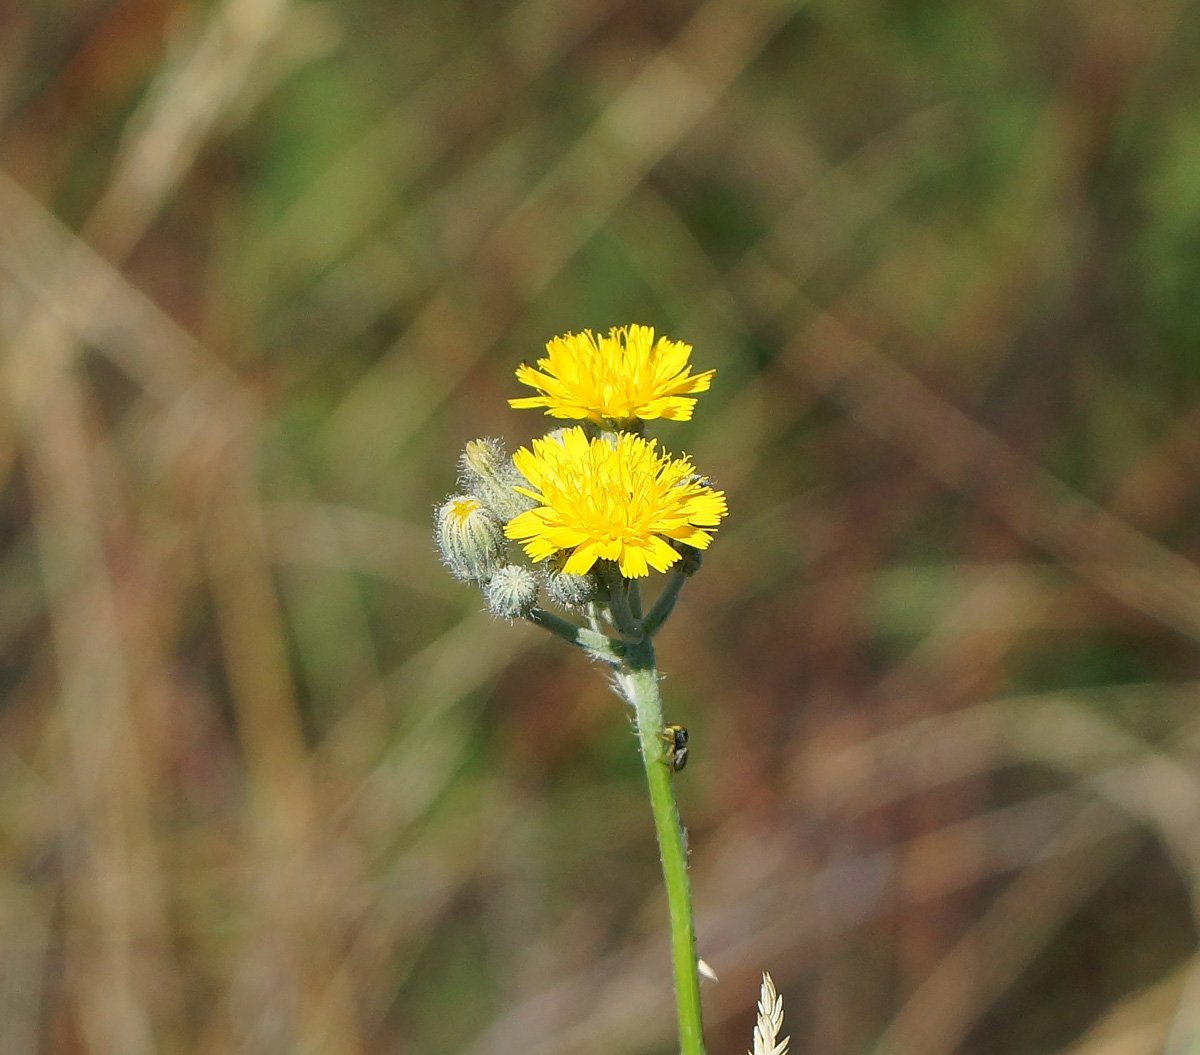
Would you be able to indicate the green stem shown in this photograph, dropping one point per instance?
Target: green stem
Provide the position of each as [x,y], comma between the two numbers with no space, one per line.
[665,604]
[639,681]
[593,642]
[620,604]
[635,598]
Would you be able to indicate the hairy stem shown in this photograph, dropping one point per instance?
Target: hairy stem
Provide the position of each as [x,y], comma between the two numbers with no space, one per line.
[593,642]
[638,679]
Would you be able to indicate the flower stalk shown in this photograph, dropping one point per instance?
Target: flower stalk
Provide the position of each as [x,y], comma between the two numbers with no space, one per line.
[638,680]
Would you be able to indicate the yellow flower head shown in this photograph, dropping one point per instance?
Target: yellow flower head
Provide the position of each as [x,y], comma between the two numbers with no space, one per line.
[618,378]
[616,501]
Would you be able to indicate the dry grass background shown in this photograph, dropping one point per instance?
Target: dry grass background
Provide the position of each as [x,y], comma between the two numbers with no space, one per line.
[269,781]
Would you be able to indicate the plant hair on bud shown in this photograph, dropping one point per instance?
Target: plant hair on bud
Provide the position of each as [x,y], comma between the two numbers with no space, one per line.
[512,592]
[486,471]
[469,539]
[571,591]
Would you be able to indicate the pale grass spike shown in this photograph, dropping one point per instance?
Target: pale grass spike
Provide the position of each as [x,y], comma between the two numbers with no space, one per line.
[770,1021]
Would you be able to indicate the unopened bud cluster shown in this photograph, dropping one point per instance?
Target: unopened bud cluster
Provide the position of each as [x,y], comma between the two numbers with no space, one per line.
[469,531]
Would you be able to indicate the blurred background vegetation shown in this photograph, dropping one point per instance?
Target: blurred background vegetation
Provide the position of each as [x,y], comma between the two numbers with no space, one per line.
[270,781]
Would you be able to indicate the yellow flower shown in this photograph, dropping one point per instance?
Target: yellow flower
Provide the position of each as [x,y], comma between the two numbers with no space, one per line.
[618,378]
[615,501]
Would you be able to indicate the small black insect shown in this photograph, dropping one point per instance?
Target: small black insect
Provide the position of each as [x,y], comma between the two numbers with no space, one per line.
[676,739]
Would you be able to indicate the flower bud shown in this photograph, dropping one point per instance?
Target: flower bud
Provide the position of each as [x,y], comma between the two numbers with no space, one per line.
[512,592]
[468,538]
[567,590]
[691,560]
[488,473]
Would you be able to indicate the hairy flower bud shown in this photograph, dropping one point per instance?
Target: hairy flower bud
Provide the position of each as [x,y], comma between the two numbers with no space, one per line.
[691,560]
[570,591]
[512,592]
[469,539]
[488,473]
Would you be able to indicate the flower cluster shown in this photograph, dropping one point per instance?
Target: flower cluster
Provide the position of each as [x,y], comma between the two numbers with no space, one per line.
[596,505]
